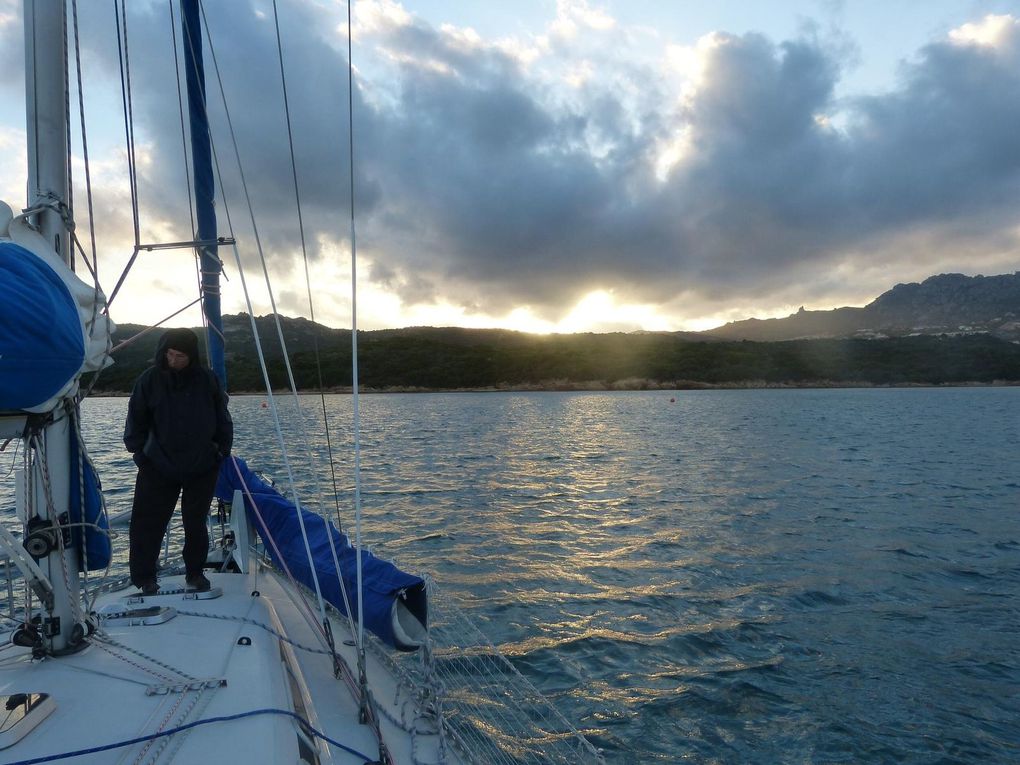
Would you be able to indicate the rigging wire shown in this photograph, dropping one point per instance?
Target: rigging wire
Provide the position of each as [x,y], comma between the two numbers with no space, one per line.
[67,138]
[283,345]
[265,273]
[147,330]
[314,625]
[295,592]
[355,395]
[304,256]
[129,131]
[356,409]
[94,269]
[129,137]
[180,110]
[187,172]
[321,628]
[368,715]
[129,121]
[315,334]
[102,524]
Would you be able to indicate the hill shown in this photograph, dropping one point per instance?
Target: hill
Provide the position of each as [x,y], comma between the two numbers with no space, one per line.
[456,358]
[951,304]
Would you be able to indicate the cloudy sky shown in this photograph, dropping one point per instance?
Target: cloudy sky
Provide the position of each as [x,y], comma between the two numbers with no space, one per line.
[567,165]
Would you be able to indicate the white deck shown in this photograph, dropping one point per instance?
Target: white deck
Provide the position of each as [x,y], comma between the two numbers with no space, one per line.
[206,663]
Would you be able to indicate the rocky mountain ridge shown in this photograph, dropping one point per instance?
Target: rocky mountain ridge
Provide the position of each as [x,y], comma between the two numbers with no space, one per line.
[946,304]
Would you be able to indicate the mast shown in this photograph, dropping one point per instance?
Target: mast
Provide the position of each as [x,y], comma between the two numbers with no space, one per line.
[45,70]
[45,95]
[205,186]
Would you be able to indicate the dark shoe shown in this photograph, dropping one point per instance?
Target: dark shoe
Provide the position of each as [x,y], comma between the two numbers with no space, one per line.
[198,582]
[149,588]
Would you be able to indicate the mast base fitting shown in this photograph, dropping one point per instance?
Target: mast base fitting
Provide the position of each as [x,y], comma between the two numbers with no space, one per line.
[26,636]
[42,538]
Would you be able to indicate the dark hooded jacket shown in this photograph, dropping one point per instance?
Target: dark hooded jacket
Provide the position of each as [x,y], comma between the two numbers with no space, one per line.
[178,421]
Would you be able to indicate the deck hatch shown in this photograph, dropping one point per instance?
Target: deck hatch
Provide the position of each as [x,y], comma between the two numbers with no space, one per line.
[24,711]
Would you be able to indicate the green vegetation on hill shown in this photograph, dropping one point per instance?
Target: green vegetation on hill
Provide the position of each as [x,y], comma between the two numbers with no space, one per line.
[455,358]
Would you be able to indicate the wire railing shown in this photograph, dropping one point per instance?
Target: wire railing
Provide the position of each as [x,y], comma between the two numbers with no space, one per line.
[491,712]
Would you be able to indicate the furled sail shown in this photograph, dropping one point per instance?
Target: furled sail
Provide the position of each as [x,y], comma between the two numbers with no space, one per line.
[396,606]
[89,524]
[53,325]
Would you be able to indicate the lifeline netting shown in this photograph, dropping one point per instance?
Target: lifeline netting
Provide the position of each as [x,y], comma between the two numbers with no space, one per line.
[493,714]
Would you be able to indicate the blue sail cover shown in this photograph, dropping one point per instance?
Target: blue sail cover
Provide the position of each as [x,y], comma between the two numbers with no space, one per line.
[92,543]
[384,583]
[41,343]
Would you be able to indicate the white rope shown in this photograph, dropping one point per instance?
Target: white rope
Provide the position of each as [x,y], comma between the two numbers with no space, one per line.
[106,643]
[316,627]
[367,706]
[129,127]
[84,457]
[304,258]
[311,307]
[320,629]
[279,329]
[39,445]
[355,397]
[84,142]
[251,312]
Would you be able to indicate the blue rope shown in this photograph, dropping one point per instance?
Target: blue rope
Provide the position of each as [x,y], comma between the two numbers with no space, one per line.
[172,731]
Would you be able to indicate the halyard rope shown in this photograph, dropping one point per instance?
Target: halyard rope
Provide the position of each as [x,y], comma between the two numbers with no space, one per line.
[258,244]
[366,708]
[304,257]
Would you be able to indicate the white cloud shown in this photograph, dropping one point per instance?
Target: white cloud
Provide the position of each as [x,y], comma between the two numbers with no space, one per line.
[379,17]
[582,14]
[592,173]
[991,31]
[13,167]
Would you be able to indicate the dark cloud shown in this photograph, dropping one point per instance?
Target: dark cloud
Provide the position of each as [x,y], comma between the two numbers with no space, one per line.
[481,183]
[12,44]
[780,182]
[942,147]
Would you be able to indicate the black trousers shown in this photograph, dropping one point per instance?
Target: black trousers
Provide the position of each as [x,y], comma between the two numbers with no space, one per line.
[153,506]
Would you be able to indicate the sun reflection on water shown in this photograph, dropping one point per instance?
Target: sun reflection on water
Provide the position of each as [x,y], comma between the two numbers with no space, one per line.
[699,576]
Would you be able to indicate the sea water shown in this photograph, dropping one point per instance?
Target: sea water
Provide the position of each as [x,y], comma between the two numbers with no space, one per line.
[757,576]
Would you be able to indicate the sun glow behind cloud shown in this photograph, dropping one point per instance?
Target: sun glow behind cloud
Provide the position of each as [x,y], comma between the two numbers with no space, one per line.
[686,66]
[597,311]
[706,176]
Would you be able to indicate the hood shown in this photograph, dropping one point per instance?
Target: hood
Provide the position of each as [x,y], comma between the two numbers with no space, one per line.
[180,339]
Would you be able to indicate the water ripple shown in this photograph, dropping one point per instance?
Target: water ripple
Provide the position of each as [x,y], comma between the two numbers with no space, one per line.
[737,577]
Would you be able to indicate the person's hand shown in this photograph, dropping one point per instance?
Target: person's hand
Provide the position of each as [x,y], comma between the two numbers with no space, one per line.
[140,459]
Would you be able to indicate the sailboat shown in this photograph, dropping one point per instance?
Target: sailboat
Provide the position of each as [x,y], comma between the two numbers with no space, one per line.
[305,648]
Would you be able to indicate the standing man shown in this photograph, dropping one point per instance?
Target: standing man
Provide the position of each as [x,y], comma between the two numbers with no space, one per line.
[178,431]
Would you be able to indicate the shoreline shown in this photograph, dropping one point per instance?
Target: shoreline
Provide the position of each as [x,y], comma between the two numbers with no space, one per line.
[622,386]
